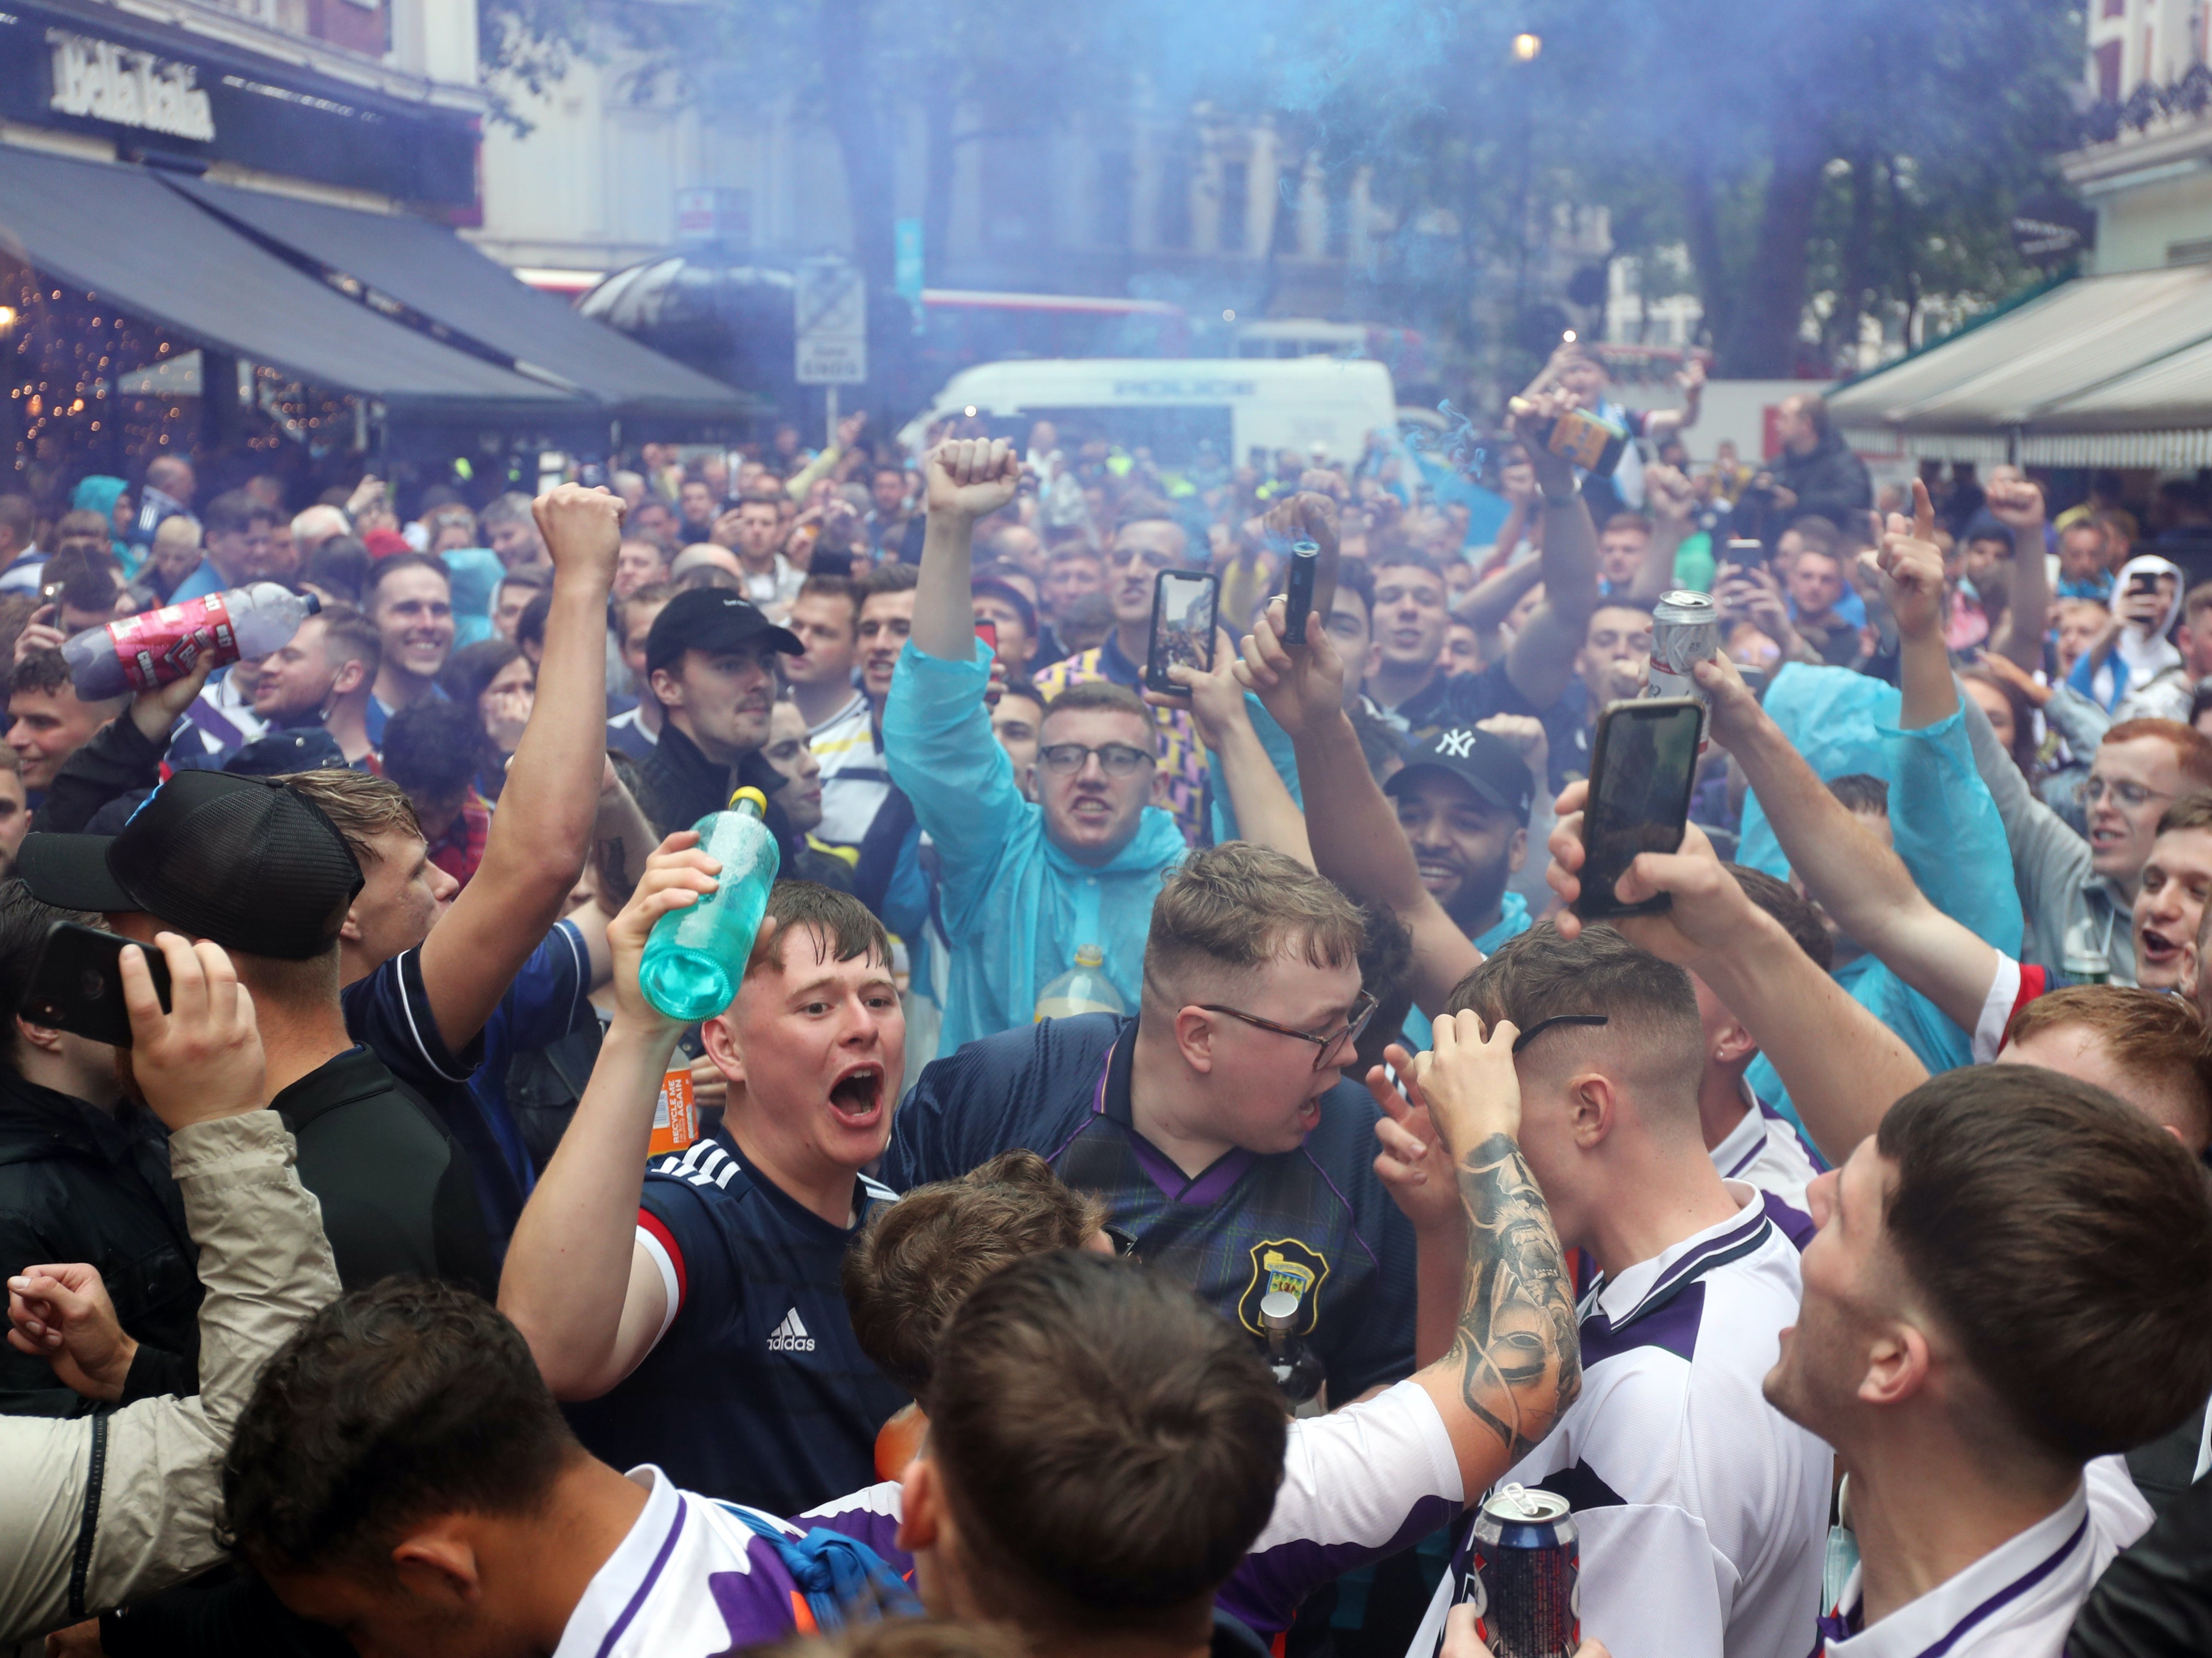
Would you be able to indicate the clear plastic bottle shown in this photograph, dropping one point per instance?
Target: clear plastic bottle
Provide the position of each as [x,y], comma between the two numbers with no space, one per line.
[156,647]
[2082,957]
[696,957]
[1083,988]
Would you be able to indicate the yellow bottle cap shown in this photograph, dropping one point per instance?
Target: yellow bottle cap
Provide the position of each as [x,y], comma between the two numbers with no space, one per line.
[758,801]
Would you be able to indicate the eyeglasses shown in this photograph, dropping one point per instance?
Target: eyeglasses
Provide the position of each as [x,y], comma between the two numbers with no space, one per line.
[2090,790]
[1114,759]
[1331,1048]
[1543,1025]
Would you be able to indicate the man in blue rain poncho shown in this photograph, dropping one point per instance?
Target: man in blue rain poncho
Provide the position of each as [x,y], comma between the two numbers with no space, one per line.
[1941,818]
[1024,884]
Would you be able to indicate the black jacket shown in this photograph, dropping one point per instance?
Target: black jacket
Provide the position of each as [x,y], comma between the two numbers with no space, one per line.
[1831,481]
[76,1185]
[682,785]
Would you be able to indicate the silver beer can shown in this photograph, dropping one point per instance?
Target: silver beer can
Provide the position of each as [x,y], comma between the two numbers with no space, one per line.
[1686,630]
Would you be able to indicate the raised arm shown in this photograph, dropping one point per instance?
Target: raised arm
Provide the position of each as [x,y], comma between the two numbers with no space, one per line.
[2019,507]
[1258,797]
[1671,497]
[1910,567]
[543,826]
[966,479]
[1491,600]
[1353,830]
[1843,1067]
[1515,1363]
[1863,884]
[1542,659]
[588,1300]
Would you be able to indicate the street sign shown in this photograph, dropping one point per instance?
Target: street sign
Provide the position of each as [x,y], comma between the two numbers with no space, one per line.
[829,314]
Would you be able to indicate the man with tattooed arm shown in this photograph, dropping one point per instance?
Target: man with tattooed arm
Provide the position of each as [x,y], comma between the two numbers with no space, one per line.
[1703,1512]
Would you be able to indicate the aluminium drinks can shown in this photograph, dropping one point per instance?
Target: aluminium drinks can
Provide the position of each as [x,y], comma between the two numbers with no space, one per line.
[1526,1580]
[1686,630]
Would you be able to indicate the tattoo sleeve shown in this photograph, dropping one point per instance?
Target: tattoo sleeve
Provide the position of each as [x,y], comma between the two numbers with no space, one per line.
[1518,1359]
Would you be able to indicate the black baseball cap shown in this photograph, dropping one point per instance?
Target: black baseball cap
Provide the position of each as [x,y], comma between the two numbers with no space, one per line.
[242,861]
[1484,761]
[712,619]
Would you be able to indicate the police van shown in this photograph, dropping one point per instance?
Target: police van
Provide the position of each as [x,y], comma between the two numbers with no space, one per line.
[1243,409]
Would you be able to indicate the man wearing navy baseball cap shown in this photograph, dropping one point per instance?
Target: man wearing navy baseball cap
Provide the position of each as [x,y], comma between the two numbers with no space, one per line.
[256,867]
[711,659]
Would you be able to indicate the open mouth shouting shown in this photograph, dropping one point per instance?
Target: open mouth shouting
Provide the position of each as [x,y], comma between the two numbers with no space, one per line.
[2154,948]
[857,1096]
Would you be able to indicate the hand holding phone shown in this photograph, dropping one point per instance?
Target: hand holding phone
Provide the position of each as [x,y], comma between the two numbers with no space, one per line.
[1184,603]
[1642,769]
[77,985]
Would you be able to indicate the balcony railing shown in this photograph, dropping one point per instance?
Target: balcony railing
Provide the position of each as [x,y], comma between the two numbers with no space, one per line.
[2183,100]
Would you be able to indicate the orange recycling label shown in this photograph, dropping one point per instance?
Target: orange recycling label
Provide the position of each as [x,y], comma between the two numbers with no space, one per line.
[674,1119]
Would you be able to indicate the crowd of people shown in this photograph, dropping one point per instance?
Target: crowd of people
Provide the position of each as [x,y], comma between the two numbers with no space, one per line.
[1835,1238]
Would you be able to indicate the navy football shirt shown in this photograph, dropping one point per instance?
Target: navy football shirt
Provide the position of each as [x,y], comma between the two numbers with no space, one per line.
[756,1390]
[1315,1221]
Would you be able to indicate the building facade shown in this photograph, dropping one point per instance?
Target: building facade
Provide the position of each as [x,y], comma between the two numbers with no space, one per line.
[2146,168]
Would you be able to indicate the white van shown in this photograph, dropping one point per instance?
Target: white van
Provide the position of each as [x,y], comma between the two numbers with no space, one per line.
[1167,404]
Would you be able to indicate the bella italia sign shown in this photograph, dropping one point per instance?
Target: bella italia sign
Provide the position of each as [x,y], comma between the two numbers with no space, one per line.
[107,82]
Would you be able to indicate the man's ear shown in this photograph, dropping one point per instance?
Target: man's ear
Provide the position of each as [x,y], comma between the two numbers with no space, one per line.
[1593,1107]
[1160,785]
[921,1506]
[349,929]
[1899,1364]
[1194,1034]
[45,1038]
[350,677]
[721,1045]
[1517,851]
[1732,1042]
[437,1562]
[666,687]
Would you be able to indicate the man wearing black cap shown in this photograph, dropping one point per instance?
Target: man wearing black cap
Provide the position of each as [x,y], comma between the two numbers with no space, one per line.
[710,659]
[253,866]
[1464,801]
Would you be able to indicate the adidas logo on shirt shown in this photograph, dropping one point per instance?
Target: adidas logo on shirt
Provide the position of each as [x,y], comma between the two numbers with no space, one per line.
[790,1336]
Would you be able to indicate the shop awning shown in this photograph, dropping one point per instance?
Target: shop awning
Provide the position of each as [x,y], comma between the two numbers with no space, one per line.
[118,232]
[2103,371]
[446,283]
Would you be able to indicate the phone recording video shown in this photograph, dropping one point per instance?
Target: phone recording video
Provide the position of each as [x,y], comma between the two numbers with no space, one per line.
[1641,773]
[1744,554]
[77,986]
[1183,606]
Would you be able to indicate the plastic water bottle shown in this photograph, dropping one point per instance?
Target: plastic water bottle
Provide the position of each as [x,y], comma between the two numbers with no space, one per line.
[695,957]
[157,646]
[1083,988]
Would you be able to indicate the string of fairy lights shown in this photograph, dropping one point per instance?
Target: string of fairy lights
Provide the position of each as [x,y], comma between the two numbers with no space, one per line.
[80,397]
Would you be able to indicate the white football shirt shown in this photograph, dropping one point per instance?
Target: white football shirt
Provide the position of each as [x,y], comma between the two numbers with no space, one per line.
[1703,1511]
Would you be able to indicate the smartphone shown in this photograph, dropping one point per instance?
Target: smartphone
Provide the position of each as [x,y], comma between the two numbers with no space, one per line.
[1744,554]
[1305,559]
[988,633]
[77,986]
[1183,606]
[1642,768]
[2143,581]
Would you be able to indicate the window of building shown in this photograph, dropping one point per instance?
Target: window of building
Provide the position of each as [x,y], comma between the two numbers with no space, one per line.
[1236,205]
[2108,72]
[1172,211]
[1111,204]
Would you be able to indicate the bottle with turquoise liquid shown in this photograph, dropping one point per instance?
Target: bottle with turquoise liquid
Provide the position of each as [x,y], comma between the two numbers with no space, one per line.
[696,957]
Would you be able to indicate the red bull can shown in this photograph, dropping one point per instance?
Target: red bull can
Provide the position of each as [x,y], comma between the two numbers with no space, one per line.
[1686,630]
[1526,1584]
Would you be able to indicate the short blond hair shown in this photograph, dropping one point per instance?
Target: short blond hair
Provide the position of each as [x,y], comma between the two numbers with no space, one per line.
[359,807]
[1237,907]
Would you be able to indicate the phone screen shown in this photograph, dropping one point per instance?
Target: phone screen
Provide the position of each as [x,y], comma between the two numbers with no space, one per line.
[1641,774]
[1182,626]
[988,633]
[77,986]
[1744,554]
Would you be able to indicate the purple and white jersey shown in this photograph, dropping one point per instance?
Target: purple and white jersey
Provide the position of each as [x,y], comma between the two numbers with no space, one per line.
[2017,1601]
[1765,1150]
[1358,1485]
[1703,1511]
[691,1581]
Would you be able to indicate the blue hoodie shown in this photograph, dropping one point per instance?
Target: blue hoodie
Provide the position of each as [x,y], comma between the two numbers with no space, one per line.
[1016,907]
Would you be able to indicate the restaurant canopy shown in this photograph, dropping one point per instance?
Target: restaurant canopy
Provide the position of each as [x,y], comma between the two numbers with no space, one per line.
[2100,371]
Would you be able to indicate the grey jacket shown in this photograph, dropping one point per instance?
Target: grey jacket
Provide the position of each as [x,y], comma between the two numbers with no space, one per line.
[2050,865]
[96,1510]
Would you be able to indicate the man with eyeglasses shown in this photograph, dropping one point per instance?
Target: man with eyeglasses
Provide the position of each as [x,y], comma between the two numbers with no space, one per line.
[2079,896]
[1023,885]
[1216,1123]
